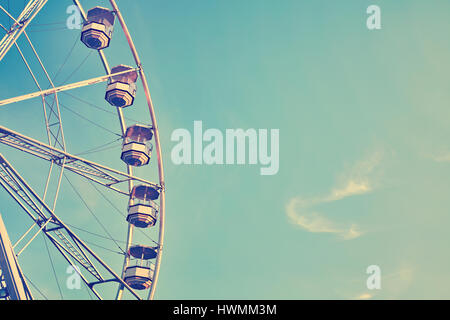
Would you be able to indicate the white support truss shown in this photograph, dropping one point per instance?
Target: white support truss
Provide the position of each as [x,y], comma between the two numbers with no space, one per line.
[110,178]
[16,287]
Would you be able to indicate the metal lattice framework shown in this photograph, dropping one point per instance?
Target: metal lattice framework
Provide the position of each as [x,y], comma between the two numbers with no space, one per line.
[65,240]
[91,268]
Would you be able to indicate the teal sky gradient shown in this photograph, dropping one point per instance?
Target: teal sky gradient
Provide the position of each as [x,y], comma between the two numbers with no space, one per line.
[364,123]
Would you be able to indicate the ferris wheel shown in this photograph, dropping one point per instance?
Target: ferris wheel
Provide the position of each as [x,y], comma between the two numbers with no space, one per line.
[143,199]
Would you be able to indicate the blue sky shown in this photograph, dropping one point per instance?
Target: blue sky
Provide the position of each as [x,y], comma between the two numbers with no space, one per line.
[364,154]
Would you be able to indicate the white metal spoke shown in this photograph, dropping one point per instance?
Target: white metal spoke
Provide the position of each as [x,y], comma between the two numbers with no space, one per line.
[64,88]
[34,236]
[31,10]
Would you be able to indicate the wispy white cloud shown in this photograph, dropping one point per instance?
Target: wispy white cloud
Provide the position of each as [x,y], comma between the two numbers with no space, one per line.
[356,181]
[352,188]
[314,222]
[444,157]
[364,296]
[399,281]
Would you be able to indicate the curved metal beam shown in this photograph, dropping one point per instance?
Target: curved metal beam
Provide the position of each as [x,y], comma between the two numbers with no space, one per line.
[157,145]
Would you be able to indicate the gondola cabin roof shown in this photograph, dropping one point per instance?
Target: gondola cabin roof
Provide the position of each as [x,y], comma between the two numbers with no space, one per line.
[145,192]
[122,67]
[145,132]
[100,13]
[143,252]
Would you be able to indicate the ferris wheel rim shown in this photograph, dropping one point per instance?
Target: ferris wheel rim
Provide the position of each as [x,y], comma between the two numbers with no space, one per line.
[157,146]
